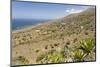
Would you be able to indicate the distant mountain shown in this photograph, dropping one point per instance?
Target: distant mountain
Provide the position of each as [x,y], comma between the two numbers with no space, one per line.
[79,18]
[85,19]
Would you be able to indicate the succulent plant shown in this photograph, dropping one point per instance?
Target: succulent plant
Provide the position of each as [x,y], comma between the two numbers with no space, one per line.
[79,55]
[87,45]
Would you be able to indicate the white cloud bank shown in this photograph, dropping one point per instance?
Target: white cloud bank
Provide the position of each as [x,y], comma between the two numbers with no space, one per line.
[70,11]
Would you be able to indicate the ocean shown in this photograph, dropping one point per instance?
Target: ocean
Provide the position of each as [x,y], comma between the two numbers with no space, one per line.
[24,23]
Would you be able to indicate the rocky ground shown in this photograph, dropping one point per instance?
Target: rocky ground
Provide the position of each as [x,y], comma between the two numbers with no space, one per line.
[69,39]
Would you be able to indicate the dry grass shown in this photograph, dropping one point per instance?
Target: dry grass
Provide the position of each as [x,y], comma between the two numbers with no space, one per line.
[53,37]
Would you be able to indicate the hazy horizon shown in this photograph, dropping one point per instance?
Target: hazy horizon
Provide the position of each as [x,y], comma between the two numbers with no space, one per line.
[33,10]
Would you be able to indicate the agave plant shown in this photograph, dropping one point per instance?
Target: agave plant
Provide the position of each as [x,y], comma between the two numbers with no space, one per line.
[55,58]
[50,58]
[87,45]
[79,55]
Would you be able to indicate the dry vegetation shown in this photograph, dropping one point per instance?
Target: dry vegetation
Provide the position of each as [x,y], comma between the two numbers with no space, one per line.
[69,39]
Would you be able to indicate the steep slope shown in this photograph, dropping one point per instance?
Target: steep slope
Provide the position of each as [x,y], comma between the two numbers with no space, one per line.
[56,39]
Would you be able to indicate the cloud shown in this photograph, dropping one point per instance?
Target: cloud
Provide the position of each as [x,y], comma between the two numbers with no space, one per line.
[70,11]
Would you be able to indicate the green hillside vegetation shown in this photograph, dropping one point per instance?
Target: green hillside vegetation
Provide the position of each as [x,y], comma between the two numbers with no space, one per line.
[68,39]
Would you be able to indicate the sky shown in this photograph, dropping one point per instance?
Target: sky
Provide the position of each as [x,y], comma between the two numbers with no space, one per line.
[33,10]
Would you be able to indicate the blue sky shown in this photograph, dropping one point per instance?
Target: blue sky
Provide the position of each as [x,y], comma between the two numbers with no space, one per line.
[29,10]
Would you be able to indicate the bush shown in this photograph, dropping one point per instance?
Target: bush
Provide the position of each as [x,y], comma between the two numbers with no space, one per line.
[79,55]
[55,58]
[22,60]
[87,45]
[75,40]
[50,58]
[46,47]
[37,50]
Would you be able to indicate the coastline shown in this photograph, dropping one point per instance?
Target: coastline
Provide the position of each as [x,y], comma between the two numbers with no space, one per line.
[30,27]
[33,26]
[25,29]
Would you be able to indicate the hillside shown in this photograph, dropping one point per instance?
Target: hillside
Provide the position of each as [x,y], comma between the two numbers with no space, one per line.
[68,39]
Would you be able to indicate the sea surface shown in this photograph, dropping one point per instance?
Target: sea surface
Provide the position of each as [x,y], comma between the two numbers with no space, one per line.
[24,23]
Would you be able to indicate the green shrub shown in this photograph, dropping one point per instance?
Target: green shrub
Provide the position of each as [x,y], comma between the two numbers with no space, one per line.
[55,58]
[79,55]
[87,45]
[50,58]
